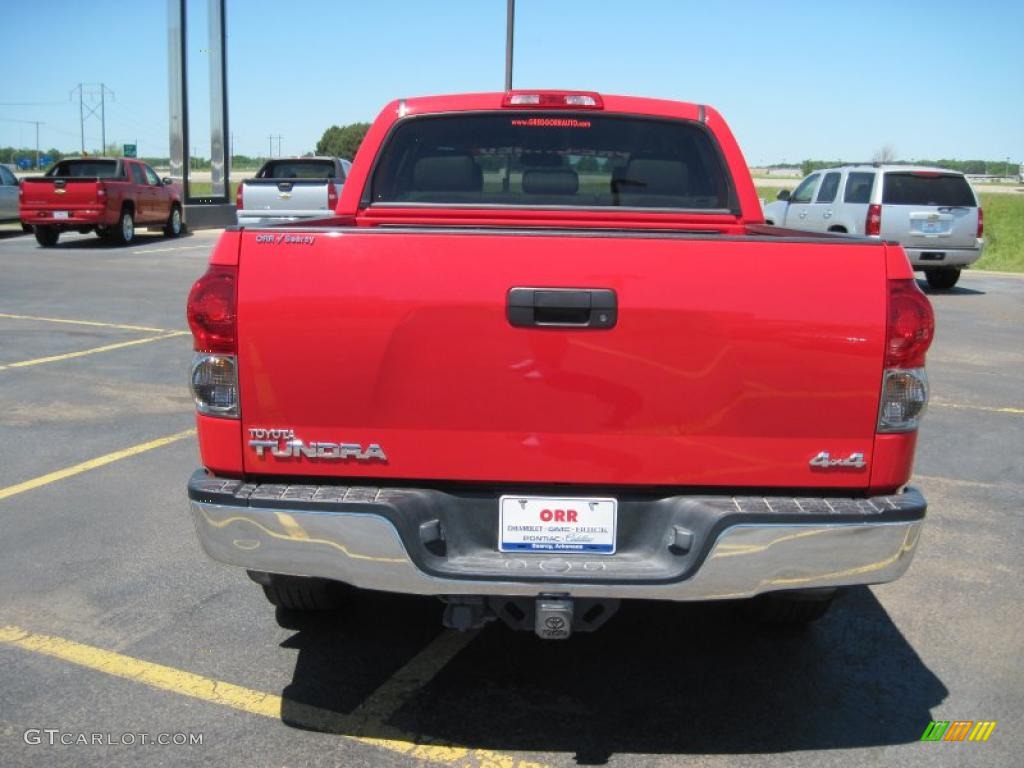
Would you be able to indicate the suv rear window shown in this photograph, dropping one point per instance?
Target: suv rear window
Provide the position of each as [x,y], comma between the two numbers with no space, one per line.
[298,169]
[916,188]
[103,169]
[551,159]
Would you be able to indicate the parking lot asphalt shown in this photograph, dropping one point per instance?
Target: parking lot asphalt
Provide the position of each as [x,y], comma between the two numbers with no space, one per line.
[113,622]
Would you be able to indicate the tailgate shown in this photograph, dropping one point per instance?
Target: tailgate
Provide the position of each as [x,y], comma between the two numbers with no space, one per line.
[285,195]
[732,361]
[60,193]
[926,209]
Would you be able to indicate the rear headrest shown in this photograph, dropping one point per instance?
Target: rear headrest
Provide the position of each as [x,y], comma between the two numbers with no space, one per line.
[655,176]
[453,172]
[559,181]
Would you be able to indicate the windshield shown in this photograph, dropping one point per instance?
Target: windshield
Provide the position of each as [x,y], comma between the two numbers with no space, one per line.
[927,188]
[551,159]
[103,169]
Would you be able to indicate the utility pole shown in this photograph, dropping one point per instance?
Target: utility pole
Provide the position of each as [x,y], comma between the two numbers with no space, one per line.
[270,138]
[103,120]
[510,23]
[279,145]
[81,116]
[37,124]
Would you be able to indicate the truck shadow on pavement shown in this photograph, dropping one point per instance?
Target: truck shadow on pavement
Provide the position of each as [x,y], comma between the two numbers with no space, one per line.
[658,679]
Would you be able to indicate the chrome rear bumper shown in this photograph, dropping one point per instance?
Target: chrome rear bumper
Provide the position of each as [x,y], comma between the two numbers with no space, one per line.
[351,535]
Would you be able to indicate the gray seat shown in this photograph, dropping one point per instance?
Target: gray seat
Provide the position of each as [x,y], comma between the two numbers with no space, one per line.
[646,178]
[450,172]
[550,181]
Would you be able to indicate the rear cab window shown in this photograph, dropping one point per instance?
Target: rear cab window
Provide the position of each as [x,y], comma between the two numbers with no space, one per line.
[102,169]
[945,190]
[551,160]
[858,187]
[137,174]
[298,169]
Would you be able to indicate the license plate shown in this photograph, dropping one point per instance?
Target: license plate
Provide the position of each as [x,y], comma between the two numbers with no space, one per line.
[60,214]
[557,524]
[931,227]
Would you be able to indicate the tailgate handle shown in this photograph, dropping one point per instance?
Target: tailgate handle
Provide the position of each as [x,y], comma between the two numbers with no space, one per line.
[562,308]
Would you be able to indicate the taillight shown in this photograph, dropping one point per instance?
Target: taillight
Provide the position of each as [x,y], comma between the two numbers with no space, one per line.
[239,201]
[332,196]
[910,327]
[212,310]
[552,100]
[981,223]
[214,383]
[873,223]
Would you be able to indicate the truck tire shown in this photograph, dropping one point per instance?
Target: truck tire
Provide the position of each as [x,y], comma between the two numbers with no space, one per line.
[47,236]
[298,593]
[174,226]
[942,279]
[124,231]
[791,608]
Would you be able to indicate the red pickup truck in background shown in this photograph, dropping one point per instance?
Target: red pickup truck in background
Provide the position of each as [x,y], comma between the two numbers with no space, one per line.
[109,196]
[546,356]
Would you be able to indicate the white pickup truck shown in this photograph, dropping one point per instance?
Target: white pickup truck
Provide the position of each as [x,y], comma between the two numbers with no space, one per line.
[290,189]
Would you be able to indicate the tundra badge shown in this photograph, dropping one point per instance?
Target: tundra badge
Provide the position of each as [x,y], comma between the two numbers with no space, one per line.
[283,444]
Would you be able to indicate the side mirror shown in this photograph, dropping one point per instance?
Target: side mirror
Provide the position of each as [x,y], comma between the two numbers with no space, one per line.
[168,181]
[783,195]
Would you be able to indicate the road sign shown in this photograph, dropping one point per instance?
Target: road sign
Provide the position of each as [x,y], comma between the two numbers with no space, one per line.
[129,150]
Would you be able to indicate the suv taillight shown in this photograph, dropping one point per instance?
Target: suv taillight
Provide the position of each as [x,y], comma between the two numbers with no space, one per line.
[212,310]
[239,201]
[873,223]
[981,223]
[332,196]
[910,327]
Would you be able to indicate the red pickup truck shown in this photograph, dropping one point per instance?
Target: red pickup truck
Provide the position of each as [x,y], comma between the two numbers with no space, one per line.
[109,196]
[546,356]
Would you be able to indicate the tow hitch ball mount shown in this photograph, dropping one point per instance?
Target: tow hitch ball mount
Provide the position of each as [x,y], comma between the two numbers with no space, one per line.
[550,616]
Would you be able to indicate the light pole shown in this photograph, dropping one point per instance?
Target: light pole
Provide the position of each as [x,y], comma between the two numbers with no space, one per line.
[510,23]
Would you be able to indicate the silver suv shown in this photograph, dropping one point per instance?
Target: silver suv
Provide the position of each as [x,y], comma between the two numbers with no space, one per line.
[932,212]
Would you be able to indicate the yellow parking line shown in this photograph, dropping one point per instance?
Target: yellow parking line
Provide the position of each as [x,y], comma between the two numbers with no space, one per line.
[416,673]
[248,700]
[988,408]
[7,316]
[85,466]
[92,351]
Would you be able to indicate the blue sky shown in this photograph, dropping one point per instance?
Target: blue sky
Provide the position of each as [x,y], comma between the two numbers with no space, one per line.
[794,79]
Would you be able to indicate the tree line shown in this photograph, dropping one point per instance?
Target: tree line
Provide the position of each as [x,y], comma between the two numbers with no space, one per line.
[979,167]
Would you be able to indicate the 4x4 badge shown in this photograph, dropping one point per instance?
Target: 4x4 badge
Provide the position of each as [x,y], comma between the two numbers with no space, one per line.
[824,460]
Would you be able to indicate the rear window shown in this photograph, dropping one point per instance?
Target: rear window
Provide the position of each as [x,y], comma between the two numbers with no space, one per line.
[103,169]
[551,159]
[948,190]
[298,169]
